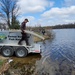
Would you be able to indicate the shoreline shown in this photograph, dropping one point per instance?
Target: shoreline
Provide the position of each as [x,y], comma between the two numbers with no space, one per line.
[36,39]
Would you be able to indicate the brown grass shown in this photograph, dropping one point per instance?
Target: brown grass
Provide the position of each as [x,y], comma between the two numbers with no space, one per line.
[36,39]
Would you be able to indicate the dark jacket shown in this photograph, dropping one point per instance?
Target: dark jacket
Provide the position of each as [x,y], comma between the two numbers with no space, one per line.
[23,26]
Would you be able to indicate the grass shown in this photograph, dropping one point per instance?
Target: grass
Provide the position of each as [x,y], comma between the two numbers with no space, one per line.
[36,39]
[1,62]
[47,35]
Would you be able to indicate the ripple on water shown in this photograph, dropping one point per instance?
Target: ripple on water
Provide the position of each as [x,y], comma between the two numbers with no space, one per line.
[60,51]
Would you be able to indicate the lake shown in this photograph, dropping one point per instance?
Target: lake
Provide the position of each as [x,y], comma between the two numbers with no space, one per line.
[58,54]
[57,57]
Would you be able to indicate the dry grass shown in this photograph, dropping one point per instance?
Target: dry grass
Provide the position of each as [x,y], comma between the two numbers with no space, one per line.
[36,39]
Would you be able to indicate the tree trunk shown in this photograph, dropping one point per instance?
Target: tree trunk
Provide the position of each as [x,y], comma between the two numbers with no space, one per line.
[8,21]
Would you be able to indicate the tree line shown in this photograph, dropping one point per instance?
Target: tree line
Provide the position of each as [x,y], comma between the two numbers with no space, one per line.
[63,26]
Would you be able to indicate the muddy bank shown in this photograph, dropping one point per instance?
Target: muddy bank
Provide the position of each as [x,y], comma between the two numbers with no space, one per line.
[23,66]
[47,35]
[40,66]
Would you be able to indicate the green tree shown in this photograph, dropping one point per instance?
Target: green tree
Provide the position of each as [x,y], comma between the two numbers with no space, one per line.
[8,9]
[15,24]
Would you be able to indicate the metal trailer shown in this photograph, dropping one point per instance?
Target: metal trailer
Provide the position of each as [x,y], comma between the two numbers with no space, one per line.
[9,43]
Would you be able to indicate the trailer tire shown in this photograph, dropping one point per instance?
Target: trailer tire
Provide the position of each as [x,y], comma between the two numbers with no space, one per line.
[7,51]
[21,52]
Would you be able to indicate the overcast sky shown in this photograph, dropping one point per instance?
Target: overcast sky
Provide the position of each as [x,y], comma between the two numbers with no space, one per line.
[47,12]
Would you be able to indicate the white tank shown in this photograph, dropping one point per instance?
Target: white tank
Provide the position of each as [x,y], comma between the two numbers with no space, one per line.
[9,43]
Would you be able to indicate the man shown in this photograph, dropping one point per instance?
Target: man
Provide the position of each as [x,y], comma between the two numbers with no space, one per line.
[24,35]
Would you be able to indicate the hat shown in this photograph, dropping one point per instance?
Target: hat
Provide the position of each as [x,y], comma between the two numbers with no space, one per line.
[26,20]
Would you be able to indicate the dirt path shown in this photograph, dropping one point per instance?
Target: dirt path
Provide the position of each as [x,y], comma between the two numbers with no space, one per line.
[3,58]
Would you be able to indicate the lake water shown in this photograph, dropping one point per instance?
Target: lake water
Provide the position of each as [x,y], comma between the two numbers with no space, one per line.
[58,54]
[57,57]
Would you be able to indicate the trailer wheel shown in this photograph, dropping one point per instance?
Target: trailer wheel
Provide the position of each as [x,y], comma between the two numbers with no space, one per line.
[21,52]
[7,51]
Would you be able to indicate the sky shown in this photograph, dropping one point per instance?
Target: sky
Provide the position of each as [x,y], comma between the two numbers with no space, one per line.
[47,12]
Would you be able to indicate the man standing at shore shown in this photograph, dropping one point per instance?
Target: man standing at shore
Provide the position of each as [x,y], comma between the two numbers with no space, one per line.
[24,35]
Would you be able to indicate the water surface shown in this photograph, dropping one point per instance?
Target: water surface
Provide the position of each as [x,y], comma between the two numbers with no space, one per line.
[58,54]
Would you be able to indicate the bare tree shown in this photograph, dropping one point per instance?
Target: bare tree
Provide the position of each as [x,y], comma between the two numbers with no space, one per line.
[9,9]
[14,11]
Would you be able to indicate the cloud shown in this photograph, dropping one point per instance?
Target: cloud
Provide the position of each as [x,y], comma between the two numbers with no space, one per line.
[32,6]
[58,15]
[69,21]
[52,3]
[30,18]
[0,14]
[69,2]
[59,12]
[53,16]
